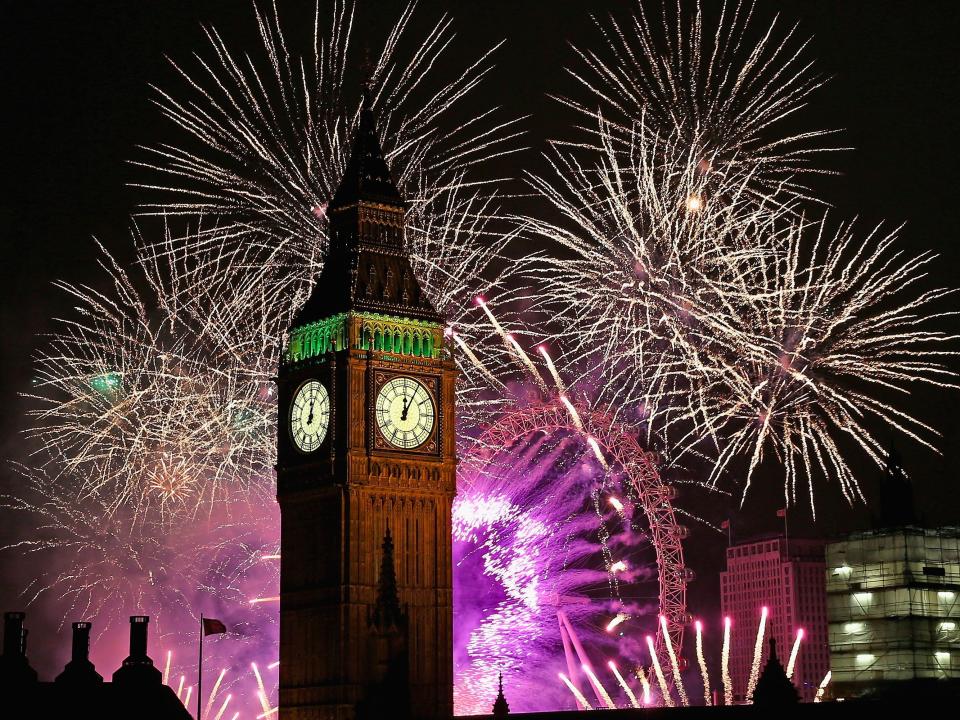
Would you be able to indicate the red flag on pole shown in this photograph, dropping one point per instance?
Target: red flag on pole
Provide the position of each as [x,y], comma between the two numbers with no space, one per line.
[782,512]
[213,627]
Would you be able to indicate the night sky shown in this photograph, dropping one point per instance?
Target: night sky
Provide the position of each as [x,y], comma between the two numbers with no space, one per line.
[76,105]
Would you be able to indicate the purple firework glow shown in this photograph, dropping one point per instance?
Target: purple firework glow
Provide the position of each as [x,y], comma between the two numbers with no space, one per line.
[560,559]
[544,527]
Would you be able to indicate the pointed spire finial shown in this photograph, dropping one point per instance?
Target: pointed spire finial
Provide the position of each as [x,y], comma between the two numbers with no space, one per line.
[367,70]
[500,706]
[896,492]
[367,175]
[387,611]
[773,686]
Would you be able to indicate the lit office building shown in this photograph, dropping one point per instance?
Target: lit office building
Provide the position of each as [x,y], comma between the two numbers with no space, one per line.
[786,577]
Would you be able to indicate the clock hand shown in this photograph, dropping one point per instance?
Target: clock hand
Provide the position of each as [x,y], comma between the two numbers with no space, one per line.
[310,417]
[406,409]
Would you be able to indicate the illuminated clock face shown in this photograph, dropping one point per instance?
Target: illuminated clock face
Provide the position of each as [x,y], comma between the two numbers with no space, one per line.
[405,413]
[309,416]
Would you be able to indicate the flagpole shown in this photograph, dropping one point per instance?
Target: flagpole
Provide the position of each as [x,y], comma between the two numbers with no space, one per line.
[786,533]
[200,668]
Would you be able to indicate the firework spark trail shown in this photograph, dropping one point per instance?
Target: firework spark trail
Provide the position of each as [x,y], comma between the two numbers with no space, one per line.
[705,676]
[661,679]
[527,362]
[822,688]
[793,653]
[561,388]
[757,654]
[511,342]
[261,689]
[223,707]
[597,452]
[619,618]
[595,681]
[476,361]
[645,684]
[581,700]
[213,693]
[574,415]
[623,684]
[724,94]
[674,665]
[725,664]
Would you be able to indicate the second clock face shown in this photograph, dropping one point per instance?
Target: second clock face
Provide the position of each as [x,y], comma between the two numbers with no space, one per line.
[405,413]
[310,416]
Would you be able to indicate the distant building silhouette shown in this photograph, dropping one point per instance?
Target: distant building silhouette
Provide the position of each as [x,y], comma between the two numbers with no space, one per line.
[15,670]
[137,690]
[774,688]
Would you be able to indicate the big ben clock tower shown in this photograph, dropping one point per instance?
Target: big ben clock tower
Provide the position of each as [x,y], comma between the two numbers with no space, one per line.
[366,472]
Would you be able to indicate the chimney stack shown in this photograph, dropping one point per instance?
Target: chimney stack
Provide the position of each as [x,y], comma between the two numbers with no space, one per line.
[81,642]
[14,667]
[80,671]
[138,667]
[13,641]
[138,636]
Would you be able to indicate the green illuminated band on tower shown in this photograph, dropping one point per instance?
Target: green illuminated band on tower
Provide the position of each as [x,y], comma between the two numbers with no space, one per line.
[366,331]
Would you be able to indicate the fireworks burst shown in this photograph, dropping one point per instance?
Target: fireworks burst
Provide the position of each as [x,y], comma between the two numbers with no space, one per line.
[737,330]
[719,82]
[270,136]
[835,329]
[154,404]
[145,407]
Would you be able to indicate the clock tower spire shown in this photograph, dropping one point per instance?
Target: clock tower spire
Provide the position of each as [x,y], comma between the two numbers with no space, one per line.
[366,451]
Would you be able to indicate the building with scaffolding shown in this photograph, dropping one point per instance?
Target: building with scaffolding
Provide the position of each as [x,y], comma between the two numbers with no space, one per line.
[892,597]
[892,604]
